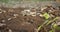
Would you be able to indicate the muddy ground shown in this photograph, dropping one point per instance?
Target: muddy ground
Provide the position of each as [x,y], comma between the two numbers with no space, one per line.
[14,21]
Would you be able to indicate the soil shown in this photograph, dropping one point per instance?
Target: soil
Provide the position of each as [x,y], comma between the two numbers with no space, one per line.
[21,23]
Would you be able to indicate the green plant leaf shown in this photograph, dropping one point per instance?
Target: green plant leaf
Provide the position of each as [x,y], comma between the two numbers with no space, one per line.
[46,15]
[52,20]
[55,25]
[51,31]
[39,28]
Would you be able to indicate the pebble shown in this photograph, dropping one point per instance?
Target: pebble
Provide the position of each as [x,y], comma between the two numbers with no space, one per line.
[3,20]
[9,18]
[43,8]
[27,10]
[4,11]
[50,10]
[41,15]
[33,15]
[15,15]
[10,30]
[1,24]
[0,12]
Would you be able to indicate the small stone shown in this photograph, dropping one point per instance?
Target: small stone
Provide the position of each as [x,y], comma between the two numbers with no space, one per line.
[1,24]
[33,15]
[10,30]
[50,10]
[4,11]
[27,10]
[15,15]
[9,18]
[43,8]
[41,15]
[0,12]
[3,20]
[38,13]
